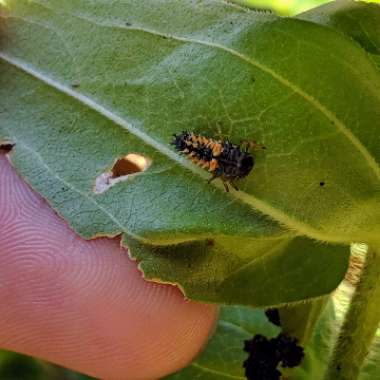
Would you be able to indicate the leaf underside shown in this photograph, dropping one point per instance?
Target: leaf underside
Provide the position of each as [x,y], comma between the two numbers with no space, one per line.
[83,83]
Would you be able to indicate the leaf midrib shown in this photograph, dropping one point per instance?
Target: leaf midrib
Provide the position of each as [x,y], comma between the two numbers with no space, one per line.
[285,220]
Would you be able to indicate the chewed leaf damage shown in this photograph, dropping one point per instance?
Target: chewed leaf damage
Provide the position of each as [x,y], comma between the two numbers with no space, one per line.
[122,169]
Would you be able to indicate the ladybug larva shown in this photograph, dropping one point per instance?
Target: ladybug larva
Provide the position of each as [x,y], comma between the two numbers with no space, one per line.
[224,160]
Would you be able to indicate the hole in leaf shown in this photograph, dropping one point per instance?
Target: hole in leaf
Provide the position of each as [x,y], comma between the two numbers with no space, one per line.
[130,164]
[122,169]
[6,146]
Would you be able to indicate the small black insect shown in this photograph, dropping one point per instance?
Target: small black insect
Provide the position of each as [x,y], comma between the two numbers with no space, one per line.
[223,159]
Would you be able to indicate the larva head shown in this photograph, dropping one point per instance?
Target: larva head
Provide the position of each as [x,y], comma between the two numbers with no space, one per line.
[244,164]
[179,141]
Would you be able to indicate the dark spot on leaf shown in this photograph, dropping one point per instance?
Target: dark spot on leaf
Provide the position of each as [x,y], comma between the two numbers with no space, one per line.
[131,164]
[338,367]
[75,84]
[128,24]
[322,183]
[253,80]
[273,316]
[210,242]
[164,37]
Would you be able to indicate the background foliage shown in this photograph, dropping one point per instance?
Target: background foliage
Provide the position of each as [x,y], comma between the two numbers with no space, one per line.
[287,7]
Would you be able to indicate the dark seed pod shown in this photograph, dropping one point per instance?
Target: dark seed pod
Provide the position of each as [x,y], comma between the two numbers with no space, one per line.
[289,351]
[262,361]
[266,356]
[273,316]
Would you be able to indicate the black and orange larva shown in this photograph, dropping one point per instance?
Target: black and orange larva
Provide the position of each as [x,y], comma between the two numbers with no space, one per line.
[224,160]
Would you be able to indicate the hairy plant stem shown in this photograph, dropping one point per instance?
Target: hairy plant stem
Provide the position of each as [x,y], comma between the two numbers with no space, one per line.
[360,324]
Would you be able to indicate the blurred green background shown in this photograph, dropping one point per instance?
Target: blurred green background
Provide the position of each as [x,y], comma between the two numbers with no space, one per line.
[284,7]
[18,367]
[287,7]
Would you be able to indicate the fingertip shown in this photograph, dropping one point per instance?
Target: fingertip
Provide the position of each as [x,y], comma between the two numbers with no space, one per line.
[84,304]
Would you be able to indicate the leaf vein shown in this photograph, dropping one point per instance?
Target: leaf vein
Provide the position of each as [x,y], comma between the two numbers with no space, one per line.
[235,326]
[257,259]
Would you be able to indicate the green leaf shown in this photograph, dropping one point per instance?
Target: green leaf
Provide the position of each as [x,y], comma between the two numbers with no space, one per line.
[15,366]
[299,320]
[358,20]
[326,332]
[371,369]
[254,272]
[317,351]
[83,83]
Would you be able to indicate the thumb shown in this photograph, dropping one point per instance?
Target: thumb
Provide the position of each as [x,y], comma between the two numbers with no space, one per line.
[84,304]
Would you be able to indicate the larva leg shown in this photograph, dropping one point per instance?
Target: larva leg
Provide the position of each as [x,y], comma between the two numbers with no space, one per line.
[248,145]
[234,186]
[214,175]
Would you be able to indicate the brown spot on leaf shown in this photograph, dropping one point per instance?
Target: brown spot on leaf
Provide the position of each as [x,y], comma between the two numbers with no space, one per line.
[210,242]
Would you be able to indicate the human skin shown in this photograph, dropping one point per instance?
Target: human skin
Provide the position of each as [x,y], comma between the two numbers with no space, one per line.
[84,304]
